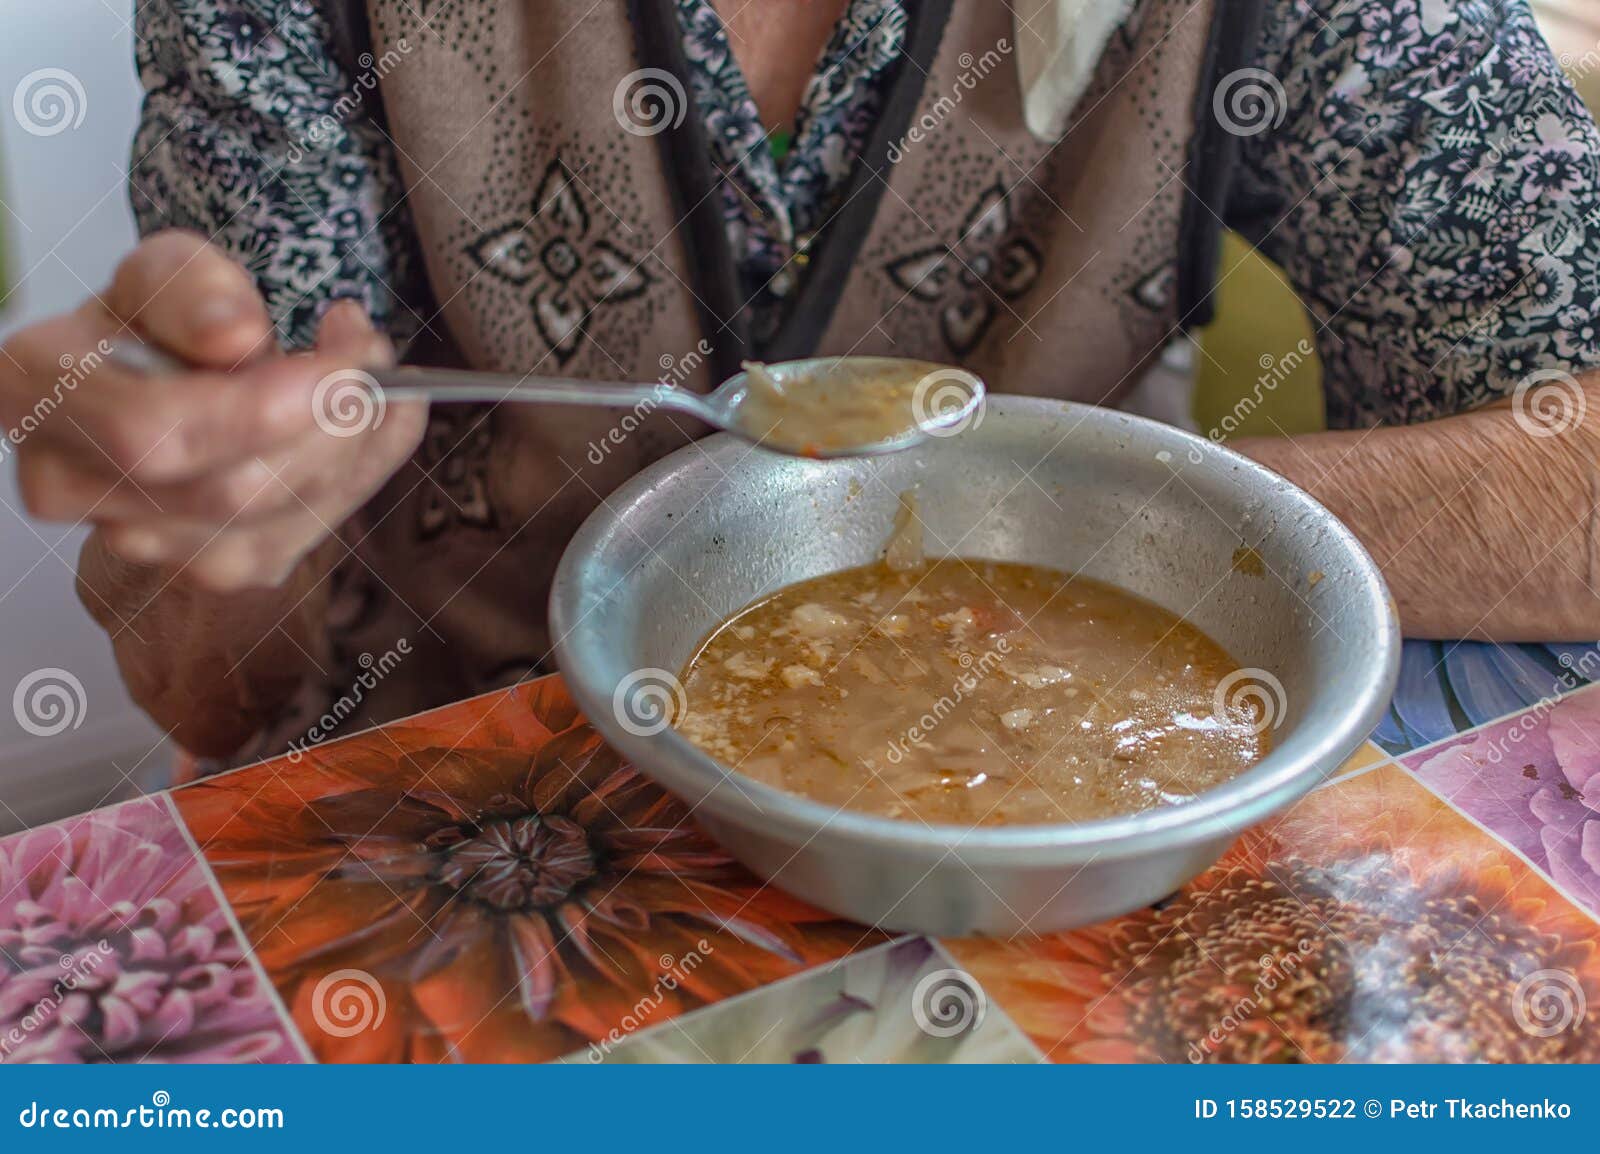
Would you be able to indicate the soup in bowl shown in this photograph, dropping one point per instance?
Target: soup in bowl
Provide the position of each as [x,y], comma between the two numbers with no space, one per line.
[1110,555]
[969,692]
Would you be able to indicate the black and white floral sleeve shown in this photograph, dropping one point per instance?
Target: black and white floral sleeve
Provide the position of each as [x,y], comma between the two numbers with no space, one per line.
[253,134]
[1431,183]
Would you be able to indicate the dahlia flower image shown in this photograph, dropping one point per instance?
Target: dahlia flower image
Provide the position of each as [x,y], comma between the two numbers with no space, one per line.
[114,948]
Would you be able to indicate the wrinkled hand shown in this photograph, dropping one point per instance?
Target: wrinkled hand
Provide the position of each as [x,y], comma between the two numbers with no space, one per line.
[228,474]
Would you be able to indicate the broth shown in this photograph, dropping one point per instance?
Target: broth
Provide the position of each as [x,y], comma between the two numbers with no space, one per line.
[968,692]
[835,406]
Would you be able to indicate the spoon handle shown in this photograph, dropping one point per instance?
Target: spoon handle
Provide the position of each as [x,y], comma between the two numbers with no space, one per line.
[461,385]
[418,384]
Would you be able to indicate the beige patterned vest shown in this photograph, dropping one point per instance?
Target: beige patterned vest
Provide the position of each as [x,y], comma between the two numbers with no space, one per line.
[558,242]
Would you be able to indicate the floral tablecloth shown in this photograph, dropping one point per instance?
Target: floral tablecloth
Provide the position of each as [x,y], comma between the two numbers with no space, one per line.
[489,882]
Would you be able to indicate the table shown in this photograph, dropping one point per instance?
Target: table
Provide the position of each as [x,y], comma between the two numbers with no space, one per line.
[489,882]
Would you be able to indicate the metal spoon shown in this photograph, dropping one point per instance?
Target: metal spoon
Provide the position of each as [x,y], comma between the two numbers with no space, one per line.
[941,399]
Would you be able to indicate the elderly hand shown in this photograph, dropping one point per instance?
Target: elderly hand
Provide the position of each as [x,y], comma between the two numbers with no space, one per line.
[227,473]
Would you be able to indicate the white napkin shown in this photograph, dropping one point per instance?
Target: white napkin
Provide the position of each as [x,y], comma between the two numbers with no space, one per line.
[1059,43]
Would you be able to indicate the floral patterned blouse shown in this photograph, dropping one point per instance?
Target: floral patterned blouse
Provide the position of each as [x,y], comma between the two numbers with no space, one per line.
[772,207]
[1389,107]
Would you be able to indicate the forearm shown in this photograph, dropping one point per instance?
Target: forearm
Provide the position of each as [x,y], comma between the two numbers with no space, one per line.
[210,668]
[1482,529]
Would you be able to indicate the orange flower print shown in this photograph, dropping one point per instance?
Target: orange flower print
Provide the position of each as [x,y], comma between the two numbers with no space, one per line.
[500,882]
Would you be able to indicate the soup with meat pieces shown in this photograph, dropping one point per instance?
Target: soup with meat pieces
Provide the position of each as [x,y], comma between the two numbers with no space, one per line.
[969,692]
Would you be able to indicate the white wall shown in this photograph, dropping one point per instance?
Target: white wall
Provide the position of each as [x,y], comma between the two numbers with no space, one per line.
[64,212]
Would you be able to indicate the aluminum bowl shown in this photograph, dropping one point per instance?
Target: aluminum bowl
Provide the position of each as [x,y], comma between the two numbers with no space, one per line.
[1240,552]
